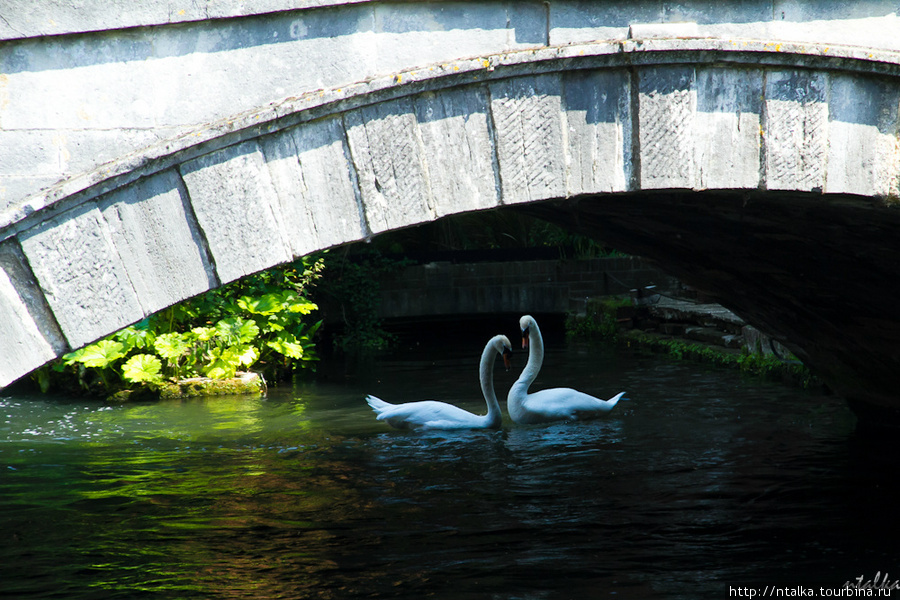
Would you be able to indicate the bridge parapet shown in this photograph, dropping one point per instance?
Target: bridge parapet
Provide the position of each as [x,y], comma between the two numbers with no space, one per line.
[83,85]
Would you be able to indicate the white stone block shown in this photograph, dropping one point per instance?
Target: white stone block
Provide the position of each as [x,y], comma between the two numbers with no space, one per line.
[158,241]
[598,122]
[727,128]
[388,155]
[863,150]
[316,185]
[458,151]
[796,130]
[237,208]
[529,135]
[84,280]
[667,114]
[27,328]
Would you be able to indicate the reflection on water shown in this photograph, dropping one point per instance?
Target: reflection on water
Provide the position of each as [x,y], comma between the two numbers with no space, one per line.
[703,480]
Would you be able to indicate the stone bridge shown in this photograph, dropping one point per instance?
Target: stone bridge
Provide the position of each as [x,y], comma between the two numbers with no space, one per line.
[150,151]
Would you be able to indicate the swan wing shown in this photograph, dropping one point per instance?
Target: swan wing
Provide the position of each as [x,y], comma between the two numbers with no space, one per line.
[429,414]
[566,403]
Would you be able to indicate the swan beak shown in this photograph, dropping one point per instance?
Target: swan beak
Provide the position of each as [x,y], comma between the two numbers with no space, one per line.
[507,355]
[524,338]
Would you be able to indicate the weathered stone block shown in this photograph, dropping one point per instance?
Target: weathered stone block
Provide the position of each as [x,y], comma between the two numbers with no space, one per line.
[667,113]
[579,21]
[863,150]
[527,117]
[727,128]
[387,152]
[423,33]
[85,282]
[457,145]
[315,185]
[28,330]
[598,118]
[796,130]
[157,240]
[238,210]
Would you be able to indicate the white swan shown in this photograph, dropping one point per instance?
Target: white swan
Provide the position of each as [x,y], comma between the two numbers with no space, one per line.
[430,414]
[555,404]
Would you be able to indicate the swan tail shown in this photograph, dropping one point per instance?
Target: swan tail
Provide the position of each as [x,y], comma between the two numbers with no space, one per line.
[615,399]
[377,404]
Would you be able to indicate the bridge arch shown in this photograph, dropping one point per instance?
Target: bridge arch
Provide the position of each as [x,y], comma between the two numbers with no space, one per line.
[585,134]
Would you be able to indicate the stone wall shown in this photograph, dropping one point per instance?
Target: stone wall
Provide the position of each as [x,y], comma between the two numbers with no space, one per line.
[539,286]
[89,82]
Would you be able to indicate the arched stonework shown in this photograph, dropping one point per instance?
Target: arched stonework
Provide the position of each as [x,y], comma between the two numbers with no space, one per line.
[104,250]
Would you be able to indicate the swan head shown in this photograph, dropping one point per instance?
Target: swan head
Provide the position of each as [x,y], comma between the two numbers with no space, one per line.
[503,347]
[525,324]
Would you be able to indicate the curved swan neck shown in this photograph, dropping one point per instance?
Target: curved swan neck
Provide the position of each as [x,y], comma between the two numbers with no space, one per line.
[486,375]
[535,355]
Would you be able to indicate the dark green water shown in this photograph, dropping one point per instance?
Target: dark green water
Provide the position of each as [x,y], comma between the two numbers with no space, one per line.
[704,481]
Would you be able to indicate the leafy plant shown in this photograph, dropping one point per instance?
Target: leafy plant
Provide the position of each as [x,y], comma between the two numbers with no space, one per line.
[143,368]
[600,319]
[259,322]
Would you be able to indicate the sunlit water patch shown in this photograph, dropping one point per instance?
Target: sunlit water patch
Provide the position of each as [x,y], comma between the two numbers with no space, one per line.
[701,481]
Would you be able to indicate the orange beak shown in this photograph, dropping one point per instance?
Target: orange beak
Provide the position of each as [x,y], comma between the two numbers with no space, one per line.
[506,359]
[524,338]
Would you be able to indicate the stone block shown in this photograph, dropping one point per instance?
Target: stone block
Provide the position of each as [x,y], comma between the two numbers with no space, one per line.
[727,128]
[667,112]
[456,140]
[796,130]
[236,205]
[85,282]
[863,151]
[27,327]
[850,23]
[529,134]
[157,240]
[426,33]
[315,185]
[582,21]
[598,121]
[388,156]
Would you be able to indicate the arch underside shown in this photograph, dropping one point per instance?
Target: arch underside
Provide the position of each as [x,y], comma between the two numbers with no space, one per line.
[631,149]
[815,271]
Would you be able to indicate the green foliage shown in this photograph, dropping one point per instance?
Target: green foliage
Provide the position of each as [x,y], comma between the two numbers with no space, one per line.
[260,322]
[755,364]
[600,319]
[143,368]
[100,355]
[353,286]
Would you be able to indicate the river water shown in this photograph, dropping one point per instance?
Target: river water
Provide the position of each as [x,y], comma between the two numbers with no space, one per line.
[704,484]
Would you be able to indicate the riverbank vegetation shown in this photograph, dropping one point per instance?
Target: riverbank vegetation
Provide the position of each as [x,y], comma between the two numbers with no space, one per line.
[601,321]
[260,322]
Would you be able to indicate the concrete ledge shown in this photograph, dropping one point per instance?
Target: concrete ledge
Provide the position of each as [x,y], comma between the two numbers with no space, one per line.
[46,17]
